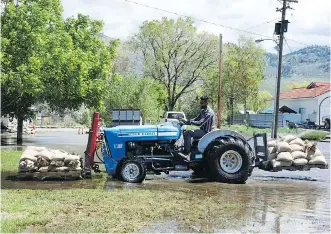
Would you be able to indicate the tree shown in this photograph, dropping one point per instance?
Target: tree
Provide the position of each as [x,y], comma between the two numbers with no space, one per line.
[250,69]
[259,101]
[48,59]
[175,55]
[132,92]
[296,85]
[241,76]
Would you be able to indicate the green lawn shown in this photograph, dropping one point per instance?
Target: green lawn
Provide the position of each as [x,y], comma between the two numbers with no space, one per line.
[100,210]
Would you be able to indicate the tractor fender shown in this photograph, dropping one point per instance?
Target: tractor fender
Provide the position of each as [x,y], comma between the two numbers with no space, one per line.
[211,136]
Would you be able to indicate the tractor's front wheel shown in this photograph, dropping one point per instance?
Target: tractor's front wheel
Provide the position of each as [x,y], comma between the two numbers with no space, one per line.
[230,160]
[132,170]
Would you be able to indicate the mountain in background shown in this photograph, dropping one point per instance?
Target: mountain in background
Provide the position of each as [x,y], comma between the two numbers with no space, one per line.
[311,61]
[309,64]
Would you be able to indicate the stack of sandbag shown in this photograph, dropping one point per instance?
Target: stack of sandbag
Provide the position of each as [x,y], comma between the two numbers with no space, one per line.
[290,150]
[42,159]
[314,155]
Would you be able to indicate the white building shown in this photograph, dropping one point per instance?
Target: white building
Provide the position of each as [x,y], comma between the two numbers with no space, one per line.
[312,102]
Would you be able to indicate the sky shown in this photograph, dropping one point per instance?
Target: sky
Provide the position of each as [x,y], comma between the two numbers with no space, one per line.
[309,21]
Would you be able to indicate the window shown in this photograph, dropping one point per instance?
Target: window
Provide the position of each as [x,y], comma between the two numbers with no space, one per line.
[175,116]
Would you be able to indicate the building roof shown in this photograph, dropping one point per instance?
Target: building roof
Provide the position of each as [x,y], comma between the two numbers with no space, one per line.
[314,89]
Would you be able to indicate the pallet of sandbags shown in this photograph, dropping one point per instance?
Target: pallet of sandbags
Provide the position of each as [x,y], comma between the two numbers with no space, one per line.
[292,153]
[41,162]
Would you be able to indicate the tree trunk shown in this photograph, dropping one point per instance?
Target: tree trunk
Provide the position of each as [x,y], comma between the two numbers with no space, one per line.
[232,110]
[19,130]
[245,108]
[171,105]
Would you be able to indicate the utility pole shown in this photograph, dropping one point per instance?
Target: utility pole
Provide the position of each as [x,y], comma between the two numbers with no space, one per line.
[219,99]
[283,28]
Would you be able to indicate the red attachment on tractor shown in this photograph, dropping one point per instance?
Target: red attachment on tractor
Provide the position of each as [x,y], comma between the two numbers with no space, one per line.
[91,145]
[94,136]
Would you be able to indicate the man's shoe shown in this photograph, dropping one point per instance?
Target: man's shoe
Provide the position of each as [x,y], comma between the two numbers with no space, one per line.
[186,156]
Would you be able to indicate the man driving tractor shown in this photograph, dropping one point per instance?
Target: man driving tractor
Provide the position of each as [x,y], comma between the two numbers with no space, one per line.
[206,122]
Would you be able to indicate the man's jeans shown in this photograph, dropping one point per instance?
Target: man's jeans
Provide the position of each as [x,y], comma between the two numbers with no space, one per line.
[198,133]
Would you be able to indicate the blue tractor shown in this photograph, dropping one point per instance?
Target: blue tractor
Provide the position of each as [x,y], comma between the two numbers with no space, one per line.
[129,152]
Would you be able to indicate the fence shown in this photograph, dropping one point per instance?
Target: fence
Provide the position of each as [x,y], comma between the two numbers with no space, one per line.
[259,120]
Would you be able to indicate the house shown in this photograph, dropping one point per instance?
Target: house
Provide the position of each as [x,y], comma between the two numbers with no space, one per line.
[311,102]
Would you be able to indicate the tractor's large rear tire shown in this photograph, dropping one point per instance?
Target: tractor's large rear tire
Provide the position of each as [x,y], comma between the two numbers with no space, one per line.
[230,160]
[132,170]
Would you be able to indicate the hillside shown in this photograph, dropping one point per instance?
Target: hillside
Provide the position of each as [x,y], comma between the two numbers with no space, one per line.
[308,64]
[312,61]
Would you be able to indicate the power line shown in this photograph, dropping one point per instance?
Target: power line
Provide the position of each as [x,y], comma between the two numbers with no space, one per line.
[210,22]
[288,46]
[256,25]
[197,19]
[297,42]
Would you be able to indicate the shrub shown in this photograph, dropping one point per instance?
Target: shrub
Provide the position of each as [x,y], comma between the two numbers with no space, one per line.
[313,135]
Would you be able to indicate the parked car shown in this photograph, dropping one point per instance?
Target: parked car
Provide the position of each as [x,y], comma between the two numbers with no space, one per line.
[308,124]
[326,121]
[173,116]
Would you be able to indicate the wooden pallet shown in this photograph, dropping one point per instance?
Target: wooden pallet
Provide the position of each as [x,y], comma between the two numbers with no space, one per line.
[299,168]
[68,175]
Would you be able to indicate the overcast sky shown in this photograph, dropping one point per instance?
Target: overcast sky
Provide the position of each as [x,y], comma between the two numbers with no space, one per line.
[309,21]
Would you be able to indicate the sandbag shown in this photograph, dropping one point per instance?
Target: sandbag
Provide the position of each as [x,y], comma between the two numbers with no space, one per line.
[298,154]
[318,160]
[283,147]
[43,169]
[32,153]
[271,143]
[35,148]
[60,169]
[297,141]
[29,157]
[276,163]
[272,156]
[74,163]
[272,150]
[75,168]
[295,147]
[26,165]
[69,158]
[46,154]
[57,163]
[312,153]
[288,138]
[42,161]
[300,162]
[58,155]
[284,156]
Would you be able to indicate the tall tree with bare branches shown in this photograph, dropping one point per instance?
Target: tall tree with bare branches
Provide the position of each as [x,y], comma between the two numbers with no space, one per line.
[176,55]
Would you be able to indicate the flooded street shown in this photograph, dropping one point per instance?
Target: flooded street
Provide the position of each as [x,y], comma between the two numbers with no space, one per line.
[286,201]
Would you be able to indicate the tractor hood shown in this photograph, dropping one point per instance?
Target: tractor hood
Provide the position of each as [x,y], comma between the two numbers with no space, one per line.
[161,132]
